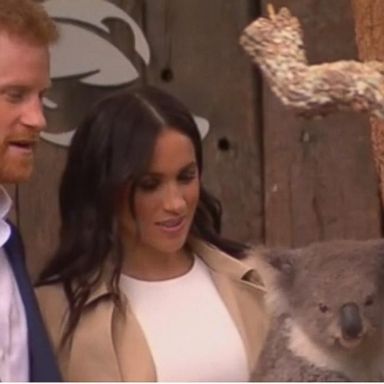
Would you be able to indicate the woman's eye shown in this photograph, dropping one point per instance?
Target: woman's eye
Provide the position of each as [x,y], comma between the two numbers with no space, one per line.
[187,177]
[148,185]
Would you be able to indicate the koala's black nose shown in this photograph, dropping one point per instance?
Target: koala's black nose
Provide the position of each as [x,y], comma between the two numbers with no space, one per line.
[350,321]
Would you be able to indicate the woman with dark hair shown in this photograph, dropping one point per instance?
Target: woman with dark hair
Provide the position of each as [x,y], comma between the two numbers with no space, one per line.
[142,287]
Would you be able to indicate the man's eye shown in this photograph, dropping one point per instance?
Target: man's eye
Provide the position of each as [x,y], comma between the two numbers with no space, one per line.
[14,95]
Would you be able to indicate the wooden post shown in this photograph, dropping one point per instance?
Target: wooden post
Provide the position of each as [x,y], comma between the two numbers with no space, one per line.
[369,27]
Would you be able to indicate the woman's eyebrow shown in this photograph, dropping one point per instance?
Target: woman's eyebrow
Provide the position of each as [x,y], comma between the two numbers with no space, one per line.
[190,165]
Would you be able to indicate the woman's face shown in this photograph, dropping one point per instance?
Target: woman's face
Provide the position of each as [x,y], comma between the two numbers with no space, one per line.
[165,198]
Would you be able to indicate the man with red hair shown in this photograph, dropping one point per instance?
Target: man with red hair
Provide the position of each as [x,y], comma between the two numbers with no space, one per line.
[26,32]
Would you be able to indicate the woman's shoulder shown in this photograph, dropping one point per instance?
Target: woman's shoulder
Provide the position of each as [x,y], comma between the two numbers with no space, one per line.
[53,306]
[50,293]
[52,302]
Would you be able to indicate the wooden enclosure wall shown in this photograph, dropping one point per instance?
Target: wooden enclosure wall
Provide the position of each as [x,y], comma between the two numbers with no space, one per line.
[369,27]
[282,180]
[320,182]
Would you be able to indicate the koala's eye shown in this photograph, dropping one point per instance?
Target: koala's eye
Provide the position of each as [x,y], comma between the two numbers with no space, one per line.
[323,308]
[369,300]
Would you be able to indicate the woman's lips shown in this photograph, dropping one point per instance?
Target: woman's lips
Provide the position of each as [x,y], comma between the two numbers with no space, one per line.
[172,225]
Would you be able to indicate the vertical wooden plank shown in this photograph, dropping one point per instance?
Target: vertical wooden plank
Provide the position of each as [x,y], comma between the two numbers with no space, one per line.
[38,199]
[196,56]
[38,208]
[369,27]
[320,181]
[198,41]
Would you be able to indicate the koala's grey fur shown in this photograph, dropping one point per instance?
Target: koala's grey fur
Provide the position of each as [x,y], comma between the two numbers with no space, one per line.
[327,305]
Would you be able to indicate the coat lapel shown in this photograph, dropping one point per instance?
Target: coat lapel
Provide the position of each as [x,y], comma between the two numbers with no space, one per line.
[242,292]
[229,296]
[42,362]
[118,352]
[93,338]
[134,356]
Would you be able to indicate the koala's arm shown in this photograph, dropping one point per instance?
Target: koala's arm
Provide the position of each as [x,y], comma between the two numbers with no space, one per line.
[278,363]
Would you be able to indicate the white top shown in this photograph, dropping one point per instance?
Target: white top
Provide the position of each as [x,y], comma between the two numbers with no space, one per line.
[190,333]
[14,358]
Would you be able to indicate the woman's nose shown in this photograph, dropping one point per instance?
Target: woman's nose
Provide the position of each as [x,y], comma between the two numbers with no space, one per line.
[174,199]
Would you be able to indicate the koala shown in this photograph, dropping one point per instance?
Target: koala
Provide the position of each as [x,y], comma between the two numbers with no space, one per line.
[327,312]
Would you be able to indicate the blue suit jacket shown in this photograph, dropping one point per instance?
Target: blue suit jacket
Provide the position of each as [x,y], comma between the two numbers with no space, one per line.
[42,362]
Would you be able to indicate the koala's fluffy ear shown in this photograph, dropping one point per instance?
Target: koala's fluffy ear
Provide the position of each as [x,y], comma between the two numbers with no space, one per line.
[278,275]
[379,252]
[282,261]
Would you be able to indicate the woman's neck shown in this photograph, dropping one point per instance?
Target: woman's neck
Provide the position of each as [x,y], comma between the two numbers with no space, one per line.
[151,265]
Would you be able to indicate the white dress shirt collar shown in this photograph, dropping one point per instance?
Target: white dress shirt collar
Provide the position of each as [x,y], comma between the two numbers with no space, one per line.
[5,206]
[14,357]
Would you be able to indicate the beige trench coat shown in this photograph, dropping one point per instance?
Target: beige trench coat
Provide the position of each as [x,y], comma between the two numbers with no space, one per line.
[107,346]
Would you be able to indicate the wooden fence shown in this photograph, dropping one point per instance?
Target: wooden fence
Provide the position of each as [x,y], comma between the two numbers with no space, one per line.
[282,180]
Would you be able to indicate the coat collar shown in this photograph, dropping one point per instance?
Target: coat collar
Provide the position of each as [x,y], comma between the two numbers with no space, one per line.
[238,283]
[214,258]
[220,262]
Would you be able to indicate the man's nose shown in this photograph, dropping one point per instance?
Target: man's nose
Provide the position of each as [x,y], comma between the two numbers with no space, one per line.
[33,114]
